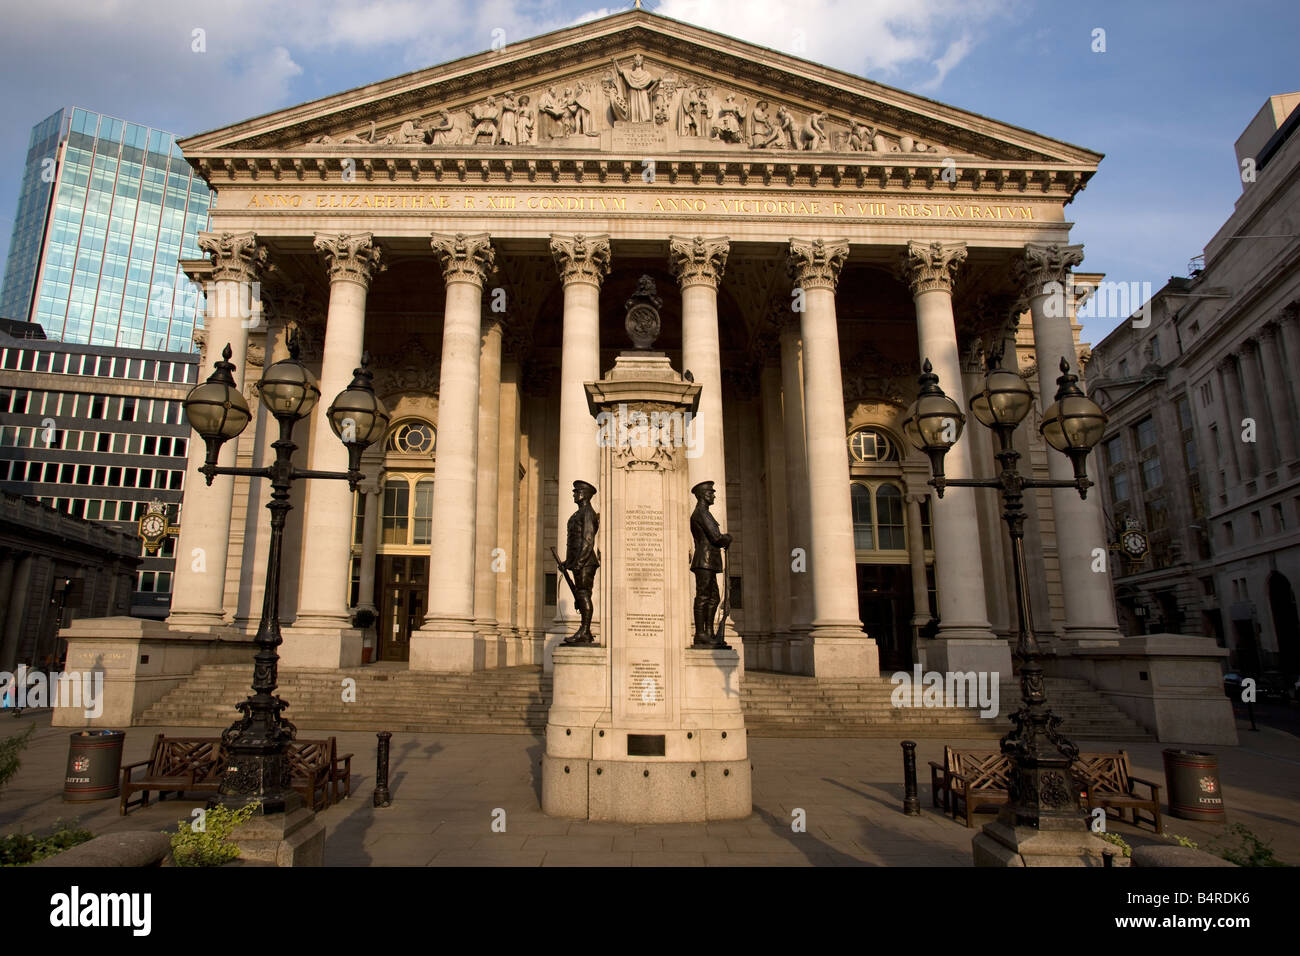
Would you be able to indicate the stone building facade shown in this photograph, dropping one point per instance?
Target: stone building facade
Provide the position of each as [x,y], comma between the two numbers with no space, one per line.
[478,227]
[1204,437]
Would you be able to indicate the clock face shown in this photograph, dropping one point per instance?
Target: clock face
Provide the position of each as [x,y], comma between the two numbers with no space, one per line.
[1135,543]
[152,526]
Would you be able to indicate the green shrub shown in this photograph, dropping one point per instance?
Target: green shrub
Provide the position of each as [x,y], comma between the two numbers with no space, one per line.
[1119,841]
[10,750]
[1183,841]
[209,846]
[19,849]
[1240,846]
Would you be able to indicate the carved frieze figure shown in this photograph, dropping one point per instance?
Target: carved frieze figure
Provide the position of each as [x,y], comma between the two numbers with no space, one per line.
[640,85]
[762,130]
[411,134]
[731,119]
[707,561]
[525,122]
[444,131]
[788,136]
[581,558]
[687,123]
[812,135]
[509,110]
[704,111]
[550,116]
[860,138]
[486,117]
[617,101]
[578,110]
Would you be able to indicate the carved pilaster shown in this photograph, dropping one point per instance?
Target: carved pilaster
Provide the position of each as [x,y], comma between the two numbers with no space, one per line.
[581,258]
[465,258]
[698,261]
[236,256]
[351,258]
[931,266]
[816,263]
[1045,263]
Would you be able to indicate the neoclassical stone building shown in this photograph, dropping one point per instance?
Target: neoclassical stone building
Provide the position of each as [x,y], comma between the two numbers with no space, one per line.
[479,226]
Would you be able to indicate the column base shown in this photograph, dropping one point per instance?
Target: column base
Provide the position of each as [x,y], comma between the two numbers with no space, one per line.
[797,658]
[488,645]
[1001,844]
[1088,637]
[841,652]
[448,647]
[195,620]
[988,655]
[328,647]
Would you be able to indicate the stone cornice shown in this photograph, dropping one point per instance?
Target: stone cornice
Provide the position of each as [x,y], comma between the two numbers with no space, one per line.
[581,258]
[931,266]
[698,261]
[816,263]
[236,257]
[465,258]
[350,257]
[1045,263]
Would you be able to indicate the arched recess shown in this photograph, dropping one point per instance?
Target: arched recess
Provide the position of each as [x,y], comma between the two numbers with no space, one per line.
[892,540]
[1286,624]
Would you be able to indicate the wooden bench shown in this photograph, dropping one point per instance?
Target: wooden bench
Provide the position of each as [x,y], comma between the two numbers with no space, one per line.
[175,765]
[1109,784]
[195,765]
[976,778]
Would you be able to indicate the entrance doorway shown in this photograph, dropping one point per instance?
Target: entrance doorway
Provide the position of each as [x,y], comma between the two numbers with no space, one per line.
[403,589]
[885,605]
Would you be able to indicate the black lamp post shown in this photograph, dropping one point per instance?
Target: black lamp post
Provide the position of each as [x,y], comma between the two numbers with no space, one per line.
[257,768]
[1042,793]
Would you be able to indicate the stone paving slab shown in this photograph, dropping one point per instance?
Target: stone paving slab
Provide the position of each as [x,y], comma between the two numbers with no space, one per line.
[449,789]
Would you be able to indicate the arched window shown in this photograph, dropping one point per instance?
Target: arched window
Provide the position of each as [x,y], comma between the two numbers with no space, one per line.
[868,445]
[412,437]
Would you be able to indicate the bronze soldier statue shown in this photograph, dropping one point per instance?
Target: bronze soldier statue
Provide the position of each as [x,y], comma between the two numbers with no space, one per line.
[709,542]
[581,558]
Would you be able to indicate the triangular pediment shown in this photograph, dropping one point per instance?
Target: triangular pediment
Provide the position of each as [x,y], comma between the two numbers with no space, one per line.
[695,92]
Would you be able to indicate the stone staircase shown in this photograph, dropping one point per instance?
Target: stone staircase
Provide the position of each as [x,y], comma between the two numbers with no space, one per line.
[515,701]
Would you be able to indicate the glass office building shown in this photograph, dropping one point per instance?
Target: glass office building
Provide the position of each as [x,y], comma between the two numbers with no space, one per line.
[106,212]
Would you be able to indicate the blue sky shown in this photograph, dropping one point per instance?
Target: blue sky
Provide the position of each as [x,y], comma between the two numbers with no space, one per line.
[1176,85]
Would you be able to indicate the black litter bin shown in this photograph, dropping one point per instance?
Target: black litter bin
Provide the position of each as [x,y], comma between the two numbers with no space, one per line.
[1193,781]
[94,766]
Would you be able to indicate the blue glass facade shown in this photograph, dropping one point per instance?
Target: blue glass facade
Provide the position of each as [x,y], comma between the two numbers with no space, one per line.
[99,249]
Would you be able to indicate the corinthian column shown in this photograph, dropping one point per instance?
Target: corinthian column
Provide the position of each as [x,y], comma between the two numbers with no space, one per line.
[199,585]
[1266,423]
[1043,275]
[322,635]
[839,648]
[1281,416]
[446,641]
[1230,433]
[583,262]
[798,583]
[698,265]
[965,640]
[489,453]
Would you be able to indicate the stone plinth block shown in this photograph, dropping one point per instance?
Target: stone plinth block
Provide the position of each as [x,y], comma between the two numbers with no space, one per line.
[643,791]
[442,647]
[853,655]
[330,647]
[1172,684]
[295,838]
[963,655]
[1001,844]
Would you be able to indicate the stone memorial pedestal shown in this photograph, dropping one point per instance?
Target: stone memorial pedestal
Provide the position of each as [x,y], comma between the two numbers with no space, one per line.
[645,729]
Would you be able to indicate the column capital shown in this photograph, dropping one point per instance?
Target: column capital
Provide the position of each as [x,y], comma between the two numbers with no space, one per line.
[695,260]
[581,258]
[236,256]
[465,258]
[350,257]
[931,266]
[1250,345]
[1044,263]
[816,263]
[1269,331]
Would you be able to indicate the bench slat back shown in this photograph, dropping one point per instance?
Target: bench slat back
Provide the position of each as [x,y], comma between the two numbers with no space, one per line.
[1107,773]
[181,756]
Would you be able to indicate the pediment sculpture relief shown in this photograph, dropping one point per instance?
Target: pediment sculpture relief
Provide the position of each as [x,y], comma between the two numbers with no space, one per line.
[630,94]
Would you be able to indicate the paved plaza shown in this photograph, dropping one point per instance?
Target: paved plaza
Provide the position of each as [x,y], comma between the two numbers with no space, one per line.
[447,788]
